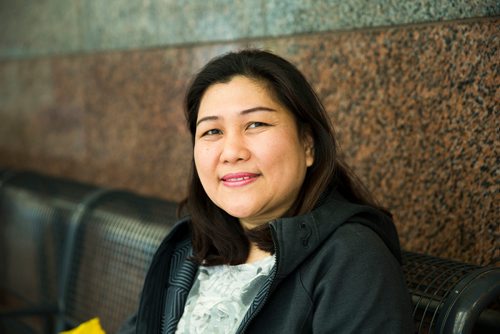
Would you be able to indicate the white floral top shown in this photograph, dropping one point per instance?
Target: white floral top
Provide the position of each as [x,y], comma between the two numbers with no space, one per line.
[221,295]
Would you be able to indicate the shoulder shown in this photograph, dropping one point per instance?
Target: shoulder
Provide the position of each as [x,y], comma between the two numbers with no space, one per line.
[358,244]
[353,250]
[363,281]
[356,261]
[343,220]
[357,237]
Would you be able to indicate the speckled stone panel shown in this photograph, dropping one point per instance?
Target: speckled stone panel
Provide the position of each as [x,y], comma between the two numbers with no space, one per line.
[117,24]
[207,21]
[42,27]
[299,16]
[135,118]
[33,28]
[415,109]
[42,108]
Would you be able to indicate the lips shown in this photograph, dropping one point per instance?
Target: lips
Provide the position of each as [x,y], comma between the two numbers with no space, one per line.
[239,179]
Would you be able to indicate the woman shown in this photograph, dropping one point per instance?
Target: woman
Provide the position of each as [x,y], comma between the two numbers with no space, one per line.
[281,237]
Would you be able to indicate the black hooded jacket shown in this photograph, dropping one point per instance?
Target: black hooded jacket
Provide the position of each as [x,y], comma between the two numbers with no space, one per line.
[337,271]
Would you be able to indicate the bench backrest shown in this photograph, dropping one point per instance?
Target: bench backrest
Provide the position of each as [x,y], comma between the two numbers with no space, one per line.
[34,211]
[117,237]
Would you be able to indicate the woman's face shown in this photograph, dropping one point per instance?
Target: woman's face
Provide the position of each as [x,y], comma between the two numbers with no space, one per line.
[248,153]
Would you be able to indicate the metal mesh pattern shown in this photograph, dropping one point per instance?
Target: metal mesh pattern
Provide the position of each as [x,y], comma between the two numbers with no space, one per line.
[34,211]
[118,237]
[430,280]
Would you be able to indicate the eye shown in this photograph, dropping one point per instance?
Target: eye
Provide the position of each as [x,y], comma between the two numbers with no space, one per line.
[254,125]
[211,132]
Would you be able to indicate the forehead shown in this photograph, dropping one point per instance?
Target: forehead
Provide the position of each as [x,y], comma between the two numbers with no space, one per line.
[237,94]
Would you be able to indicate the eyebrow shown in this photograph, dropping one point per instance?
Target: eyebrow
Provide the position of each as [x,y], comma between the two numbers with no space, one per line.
[243,112]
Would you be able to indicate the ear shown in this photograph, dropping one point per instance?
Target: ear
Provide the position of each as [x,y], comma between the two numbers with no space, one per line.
[308,141]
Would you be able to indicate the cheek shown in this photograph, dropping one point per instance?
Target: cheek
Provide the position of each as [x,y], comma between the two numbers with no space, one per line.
[203,159]
[198,159]
[280,155]
[286,147]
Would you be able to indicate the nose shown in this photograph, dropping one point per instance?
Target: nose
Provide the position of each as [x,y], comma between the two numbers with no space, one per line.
[234,149]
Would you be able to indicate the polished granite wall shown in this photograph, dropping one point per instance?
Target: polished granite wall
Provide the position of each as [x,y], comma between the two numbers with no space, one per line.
[46,27]
[415,107]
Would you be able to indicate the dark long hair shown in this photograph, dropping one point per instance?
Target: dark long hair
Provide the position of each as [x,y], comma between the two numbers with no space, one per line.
[219,238]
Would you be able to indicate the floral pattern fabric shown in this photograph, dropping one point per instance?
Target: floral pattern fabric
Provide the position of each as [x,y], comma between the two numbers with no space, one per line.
[221,295]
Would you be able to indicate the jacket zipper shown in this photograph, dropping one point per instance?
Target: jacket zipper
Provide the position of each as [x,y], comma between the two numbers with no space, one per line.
[271,286]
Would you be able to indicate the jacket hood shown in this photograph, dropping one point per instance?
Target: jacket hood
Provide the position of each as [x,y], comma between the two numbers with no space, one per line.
[297,237]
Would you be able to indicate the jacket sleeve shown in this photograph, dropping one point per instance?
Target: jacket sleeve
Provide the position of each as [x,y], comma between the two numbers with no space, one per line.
[364,290]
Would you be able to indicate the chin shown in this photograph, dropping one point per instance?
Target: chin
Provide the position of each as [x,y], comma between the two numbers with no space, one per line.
[240,213]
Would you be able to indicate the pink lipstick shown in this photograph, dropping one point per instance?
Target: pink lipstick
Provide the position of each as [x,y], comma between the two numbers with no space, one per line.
[238,179]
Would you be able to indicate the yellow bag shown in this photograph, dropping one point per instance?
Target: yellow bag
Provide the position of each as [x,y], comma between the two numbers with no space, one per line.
[92,326]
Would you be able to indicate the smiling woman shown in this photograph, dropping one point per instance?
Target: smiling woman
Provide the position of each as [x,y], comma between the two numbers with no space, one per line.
[281,237]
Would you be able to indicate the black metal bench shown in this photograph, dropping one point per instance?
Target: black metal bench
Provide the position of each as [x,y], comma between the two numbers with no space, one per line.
[70,252]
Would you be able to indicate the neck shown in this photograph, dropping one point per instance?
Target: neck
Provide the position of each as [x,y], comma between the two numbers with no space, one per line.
[256,254]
